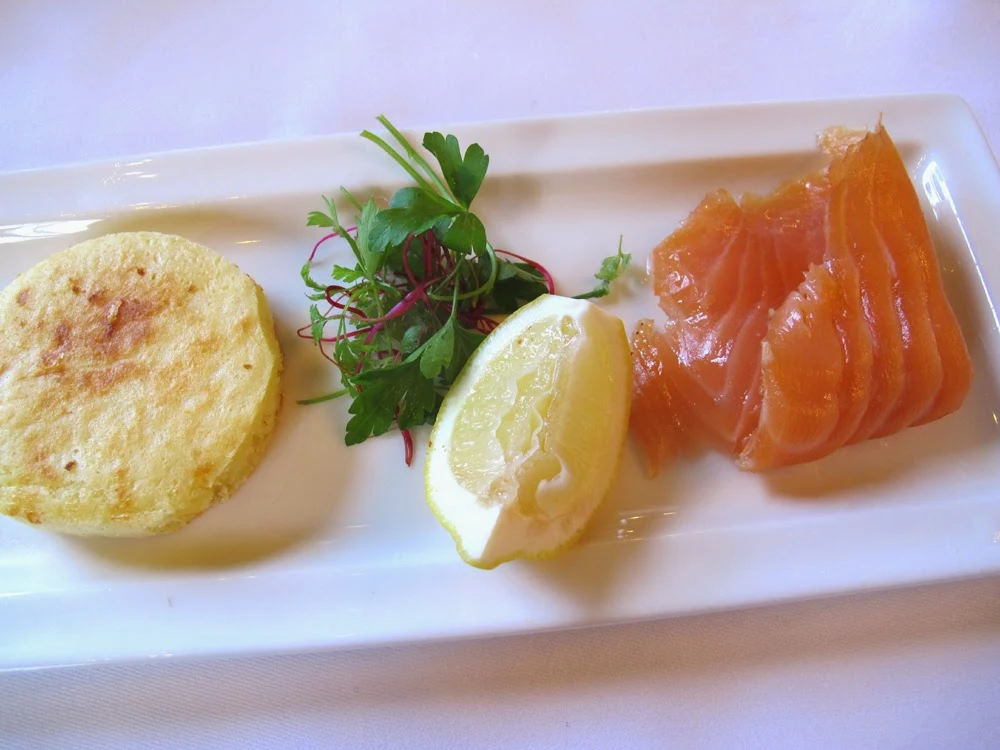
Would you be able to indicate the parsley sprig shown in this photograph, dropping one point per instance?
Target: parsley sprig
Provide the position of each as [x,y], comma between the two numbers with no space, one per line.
[424,291]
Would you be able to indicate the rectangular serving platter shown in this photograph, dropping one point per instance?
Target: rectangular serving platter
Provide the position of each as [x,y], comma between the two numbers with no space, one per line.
[327,546]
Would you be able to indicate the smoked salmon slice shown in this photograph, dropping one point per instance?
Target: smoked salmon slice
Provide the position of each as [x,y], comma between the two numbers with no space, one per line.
[718,277]
[667,434]
[801,321]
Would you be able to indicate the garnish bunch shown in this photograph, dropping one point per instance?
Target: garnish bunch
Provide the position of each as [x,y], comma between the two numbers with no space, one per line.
[426,287]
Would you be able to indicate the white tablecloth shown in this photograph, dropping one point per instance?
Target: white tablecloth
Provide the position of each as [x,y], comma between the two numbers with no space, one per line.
[908,669]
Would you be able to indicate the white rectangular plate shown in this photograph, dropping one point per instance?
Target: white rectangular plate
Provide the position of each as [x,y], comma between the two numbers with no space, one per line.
[328,546]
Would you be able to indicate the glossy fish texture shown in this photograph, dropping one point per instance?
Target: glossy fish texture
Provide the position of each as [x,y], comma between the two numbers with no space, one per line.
[801,321]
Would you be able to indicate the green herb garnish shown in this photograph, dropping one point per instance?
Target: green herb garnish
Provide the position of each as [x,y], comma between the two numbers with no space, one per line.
[424,290]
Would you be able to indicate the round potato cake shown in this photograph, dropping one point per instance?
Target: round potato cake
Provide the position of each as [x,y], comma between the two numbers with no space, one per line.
[139,385]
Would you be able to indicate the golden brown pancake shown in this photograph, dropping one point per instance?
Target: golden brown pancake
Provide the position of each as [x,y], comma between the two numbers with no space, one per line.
[139,385]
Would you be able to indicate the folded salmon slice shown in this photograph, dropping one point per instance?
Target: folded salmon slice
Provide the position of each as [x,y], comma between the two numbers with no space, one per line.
[801,321]
[801,407]
[718,277]
[660,419]
[855,235]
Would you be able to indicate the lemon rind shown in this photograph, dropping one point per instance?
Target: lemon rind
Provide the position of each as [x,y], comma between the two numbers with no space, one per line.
[437,455]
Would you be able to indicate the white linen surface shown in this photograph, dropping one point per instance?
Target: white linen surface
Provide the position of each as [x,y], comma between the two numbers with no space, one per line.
[917,668]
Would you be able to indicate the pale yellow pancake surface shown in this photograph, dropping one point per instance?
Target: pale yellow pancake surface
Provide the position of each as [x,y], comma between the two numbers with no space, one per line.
[139,385]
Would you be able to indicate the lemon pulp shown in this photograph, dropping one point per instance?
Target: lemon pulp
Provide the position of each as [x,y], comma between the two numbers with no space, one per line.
[528,440]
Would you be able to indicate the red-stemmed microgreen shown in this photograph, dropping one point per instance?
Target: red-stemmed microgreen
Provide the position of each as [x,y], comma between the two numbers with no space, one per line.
[424,290]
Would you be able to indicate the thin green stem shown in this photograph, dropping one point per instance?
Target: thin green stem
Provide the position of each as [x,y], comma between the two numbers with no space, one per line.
[352,199]
[413,154]
[321,399]
[601,290]
[481,289]
[445,281]
[352,298]
[397,158]
[454,303]
[339,229]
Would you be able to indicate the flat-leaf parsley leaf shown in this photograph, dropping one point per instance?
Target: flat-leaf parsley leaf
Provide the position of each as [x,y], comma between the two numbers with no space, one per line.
[426,282]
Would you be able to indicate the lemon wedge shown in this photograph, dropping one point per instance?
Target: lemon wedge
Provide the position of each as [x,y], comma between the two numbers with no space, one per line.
[528,439]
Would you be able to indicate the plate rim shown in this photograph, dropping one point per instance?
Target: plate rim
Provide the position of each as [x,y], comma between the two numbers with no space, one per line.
[966,565]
